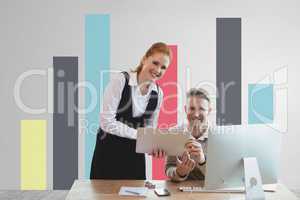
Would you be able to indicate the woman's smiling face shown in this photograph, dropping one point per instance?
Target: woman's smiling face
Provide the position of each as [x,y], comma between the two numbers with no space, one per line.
[155,66]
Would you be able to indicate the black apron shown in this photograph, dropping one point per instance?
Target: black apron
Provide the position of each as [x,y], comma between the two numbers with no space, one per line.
[115,157]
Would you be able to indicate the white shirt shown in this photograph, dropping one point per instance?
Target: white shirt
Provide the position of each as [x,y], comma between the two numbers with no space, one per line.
[111,100]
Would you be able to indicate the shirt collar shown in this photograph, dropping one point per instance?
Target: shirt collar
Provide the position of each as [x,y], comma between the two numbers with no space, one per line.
[133,81]
[202,138]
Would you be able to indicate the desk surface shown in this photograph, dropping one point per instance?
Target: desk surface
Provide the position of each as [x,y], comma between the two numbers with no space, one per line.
[108,189]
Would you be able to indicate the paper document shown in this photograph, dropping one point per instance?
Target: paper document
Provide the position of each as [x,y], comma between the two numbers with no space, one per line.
[133,191]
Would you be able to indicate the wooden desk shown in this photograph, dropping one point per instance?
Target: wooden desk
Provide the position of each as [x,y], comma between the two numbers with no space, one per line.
[108,189]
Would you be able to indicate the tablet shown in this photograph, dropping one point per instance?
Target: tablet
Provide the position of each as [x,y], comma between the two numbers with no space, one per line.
[171,141]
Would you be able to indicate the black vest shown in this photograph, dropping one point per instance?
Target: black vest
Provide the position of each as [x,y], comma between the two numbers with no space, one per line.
[115,157]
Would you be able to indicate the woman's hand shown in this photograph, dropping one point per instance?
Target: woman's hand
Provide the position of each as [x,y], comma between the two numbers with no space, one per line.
[158,153]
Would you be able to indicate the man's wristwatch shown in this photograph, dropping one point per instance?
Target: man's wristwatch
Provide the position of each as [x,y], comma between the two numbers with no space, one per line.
[203,163]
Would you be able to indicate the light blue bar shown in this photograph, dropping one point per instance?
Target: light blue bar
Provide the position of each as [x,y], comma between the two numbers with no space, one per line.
[260,103]
[97,60]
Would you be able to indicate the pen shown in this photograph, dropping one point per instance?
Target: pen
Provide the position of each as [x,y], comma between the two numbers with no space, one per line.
[136,193]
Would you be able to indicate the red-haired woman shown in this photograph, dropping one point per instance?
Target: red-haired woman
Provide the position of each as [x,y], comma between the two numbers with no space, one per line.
[131,100]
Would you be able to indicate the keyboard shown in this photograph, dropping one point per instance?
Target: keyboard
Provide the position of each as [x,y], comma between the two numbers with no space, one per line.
[203,190]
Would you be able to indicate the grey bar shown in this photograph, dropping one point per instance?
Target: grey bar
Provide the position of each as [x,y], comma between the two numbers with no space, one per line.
[65,122]
[229,71]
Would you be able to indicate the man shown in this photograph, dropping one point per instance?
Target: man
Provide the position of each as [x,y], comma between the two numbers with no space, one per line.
[192,164]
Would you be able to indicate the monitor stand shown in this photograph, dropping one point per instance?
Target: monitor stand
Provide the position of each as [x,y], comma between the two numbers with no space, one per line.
[253,183]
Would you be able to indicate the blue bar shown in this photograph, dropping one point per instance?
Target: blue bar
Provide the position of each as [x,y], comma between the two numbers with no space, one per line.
[97,60]
[260,103]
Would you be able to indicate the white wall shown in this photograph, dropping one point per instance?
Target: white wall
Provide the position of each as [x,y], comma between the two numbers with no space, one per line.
[34,31]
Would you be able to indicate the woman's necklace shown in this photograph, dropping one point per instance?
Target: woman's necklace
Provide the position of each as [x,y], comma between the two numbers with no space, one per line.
[144,89]
[144,86]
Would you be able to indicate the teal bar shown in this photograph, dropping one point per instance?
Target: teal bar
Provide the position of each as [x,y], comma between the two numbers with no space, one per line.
[97,60]
[260,103]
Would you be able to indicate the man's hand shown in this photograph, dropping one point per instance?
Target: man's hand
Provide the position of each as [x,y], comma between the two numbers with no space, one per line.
[199,126]
[196,152]
[185,164]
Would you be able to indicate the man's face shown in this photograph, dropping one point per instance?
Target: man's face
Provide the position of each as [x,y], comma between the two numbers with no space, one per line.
[197,112]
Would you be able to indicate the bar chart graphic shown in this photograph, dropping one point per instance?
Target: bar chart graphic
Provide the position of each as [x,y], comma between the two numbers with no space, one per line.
[97,65]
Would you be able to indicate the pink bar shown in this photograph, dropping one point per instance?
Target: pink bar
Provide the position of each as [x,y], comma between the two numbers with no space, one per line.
[168,112]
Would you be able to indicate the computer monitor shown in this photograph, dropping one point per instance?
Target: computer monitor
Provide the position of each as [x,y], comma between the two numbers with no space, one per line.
[229,145]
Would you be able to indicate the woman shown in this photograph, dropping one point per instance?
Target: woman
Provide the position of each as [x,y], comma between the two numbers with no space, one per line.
[131,100]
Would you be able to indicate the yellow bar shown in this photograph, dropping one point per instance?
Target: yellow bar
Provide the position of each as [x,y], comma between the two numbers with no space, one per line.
[33,154]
